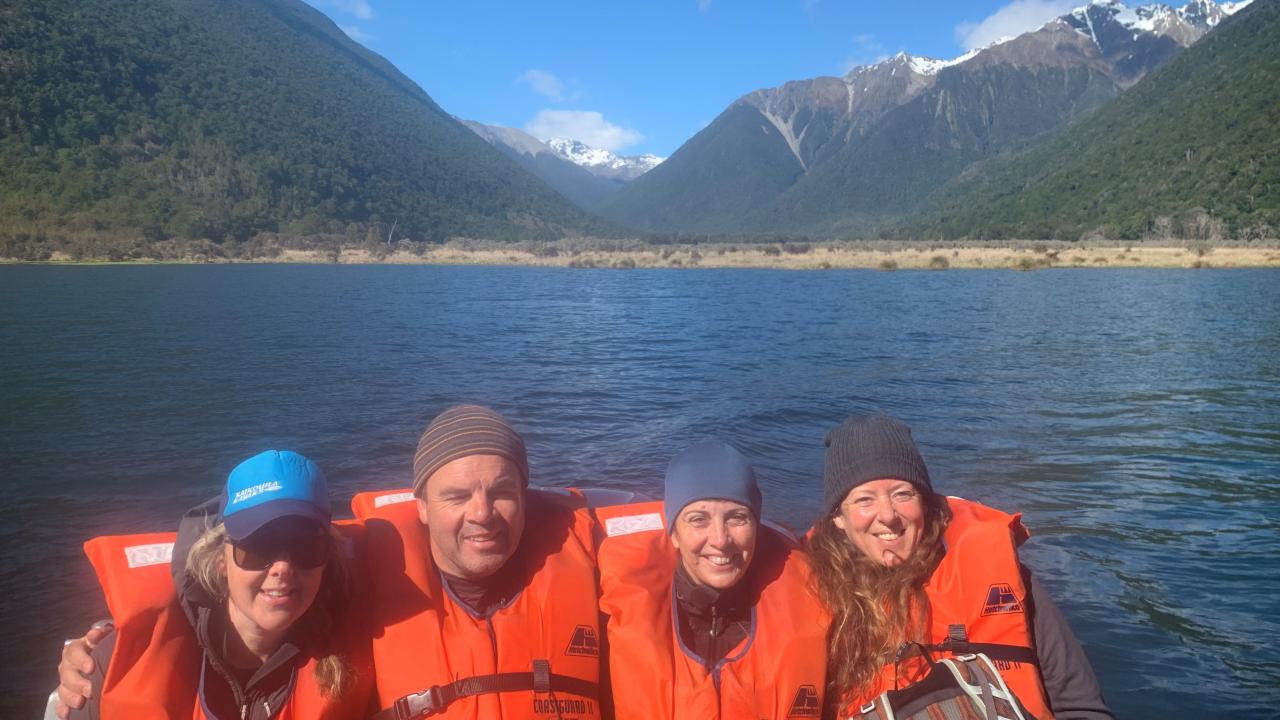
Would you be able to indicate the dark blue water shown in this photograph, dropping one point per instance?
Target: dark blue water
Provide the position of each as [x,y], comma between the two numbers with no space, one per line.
[1131,415]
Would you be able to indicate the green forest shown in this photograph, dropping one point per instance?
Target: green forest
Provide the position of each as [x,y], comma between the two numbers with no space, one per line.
[138,127]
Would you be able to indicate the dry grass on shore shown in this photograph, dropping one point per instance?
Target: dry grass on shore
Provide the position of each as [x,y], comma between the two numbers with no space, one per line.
[878,255]
[820,257]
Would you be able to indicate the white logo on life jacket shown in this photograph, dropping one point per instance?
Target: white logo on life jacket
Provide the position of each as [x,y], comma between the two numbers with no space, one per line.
[256,490]
[629,524]
[392,499]
[144,555]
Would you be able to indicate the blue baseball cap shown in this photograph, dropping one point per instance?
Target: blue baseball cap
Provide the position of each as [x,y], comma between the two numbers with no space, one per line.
[272,485]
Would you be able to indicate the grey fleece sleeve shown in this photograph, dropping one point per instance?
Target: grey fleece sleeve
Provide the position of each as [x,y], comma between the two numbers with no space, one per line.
[101,655]
[1073,690]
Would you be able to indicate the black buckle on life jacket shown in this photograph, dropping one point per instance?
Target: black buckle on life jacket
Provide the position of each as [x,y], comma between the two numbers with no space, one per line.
[419,704]
[541,676]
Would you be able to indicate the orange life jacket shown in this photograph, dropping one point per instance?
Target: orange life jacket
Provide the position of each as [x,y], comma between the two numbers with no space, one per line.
[977,598]
[779,671]
[154,670]
[536,657]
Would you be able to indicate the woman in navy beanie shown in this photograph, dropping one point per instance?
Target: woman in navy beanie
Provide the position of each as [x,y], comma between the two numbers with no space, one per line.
[714,605]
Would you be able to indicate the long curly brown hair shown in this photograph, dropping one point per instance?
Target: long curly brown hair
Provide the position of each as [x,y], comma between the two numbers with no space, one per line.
[874,609]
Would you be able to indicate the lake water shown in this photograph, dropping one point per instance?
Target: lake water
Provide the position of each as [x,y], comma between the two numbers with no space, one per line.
[1130,414]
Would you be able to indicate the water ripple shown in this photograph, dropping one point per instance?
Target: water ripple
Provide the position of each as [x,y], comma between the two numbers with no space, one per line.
[1130,415]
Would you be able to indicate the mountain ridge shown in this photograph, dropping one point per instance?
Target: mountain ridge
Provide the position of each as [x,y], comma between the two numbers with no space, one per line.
[583,174]
[578,184]
[876,142]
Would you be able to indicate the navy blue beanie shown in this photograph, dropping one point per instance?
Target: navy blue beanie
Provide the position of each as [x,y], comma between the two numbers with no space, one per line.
[710,470]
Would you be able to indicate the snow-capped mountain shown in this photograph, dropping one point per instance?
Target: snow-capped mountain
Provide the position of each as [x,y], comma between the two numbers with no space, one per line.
[1126,45]
[1136,40]
[856,148]
[1098,21]
[603,162]
[581,173]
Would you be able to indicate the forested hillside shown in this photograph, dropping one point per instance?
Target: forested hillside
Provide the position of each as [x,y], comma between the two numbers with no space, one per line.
[129,122]
[1192,151]
[714,180]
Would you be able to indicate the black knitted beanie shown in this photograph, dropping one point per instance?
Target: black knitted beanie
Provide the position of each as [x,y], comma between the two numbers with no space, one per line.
[870,447]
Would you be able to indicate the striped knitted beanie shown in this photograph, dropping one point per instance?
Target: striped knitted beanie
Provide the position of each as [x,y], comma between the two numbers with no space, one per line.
[465,430]
[870,447]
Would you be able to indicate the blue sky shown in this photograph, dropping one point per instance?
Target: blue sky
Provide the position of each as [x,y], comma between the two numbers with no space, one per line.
[644,76]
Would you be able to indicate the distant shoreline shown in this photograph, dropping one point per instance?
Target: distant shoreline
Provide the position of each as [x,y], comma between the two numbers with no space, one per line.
[884,256]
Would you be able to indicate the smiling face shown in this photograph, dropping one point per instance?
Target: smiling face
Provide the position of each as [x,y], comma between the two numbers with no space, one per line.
[716,540]
[884,519]
[265,603]
[474,511]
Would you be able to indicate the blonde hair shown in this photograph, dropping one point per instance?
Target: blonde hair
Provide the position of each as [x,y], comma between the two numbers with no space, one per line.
[334,674]
[874,609]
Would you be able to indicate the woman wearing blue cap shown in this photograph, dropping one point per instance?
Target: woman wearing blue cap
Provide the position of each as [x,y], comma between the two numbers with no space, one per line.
[711,614]
[236,617]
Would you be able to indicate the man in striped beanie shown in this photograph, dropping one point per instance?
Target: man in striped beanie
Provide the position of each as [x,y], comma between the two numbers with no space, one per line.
[486,601]
[473,505]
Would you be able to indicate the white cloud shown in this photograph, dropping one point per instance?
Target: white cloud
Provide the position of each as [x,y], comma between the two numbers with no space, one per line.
[544,83]
[704,5]
[1011,20]
[355,33]
[360,8]
[867,52]
[583,125]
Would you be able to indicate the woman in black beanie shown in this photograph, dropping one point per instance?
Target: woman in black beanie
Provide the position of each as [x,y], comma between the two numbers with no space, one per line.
[910,575]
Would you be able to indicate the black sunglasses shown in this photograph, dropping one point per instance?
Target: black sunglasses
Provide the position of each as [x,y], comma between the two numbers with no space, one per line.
[258,551]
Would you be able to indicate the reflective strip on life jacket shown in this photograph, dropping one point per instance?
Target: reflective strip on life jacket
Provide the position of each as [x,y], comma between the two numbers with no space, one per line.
[778,672]
[428,646]
[366,504]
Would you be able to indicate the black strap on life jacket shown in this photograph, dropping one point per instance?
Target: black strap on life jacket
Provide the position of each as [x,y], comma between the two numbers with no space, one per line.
[437,698]
[957,643]
[995,651]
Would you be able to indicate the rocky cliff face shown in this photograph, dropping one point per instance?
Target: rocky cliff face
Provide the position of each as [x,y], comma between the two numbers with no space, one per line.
[816,117]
